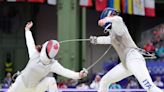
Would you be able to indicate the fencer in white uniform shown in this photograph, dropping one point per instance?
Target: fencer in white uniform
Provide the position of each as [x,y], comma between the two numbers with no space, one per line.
[132,61]
[34,77]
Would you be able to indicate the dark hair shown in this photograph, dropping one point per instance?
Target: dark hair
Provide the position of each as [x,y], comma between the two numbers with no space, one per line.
[38,47]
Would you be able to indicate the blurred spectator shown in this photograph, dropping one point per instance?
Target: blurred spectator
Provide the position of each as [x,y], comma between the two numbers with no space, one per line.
[157,35]
[149,47]
[82,86]
[72,83]
[160,52]
[8,64]
[96,82]
[62,85]
[7,81]
[115,86]
[132,84]
[158,82]
[0,86]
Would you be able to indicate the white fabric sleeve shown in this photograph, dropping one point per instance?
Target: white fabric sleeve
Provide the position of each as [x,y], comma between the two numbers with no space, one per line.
[30,43]
[104,40]
[60,70]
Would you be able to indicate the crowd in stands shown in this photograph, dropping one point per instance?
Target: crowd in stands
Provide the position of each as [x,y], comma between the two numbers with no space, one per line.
[155,43]
[7,81]
[129,83]
[155,68]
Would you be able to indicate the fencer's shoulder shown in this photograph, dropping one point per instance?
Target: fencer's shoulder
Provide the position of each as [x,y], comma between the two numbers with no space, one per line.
[54,63]
[34,55]
[119,18]
[54,60]
[114,18]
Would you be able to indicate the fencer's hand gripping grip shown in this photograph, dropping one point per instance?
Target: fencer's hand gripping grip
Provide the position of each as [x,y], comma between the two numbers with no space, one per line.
[83,73]
[93,39]
[85,70]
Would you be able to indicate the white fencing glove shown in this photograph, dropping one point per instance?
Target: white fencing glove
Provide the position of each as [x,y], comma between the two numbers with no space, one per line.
[93,39]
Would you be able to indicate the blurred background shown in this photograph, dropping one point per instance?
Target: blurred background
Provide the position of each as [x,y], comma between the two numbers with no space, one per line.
[77,19]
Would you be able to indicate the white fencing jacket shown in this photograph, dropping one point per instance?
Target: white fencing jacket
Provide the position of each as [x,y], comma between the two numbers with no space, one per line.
[119,37]
[35,70]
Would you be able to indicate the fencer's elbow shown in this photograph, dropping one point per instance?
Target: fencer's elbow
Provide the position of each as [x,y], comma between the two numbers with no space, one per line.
[118,18]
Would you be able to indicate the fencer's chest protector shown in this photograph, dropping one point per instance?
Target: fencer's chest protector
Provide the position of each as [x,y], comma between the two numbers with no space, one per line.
[121,39]
[34,72]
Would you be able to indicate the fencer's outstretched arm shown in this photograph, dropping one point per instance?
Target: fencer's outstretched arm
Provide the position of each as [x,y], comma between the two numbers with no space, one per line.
[100,40]
[29,39]
[103,40]
[60,70]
